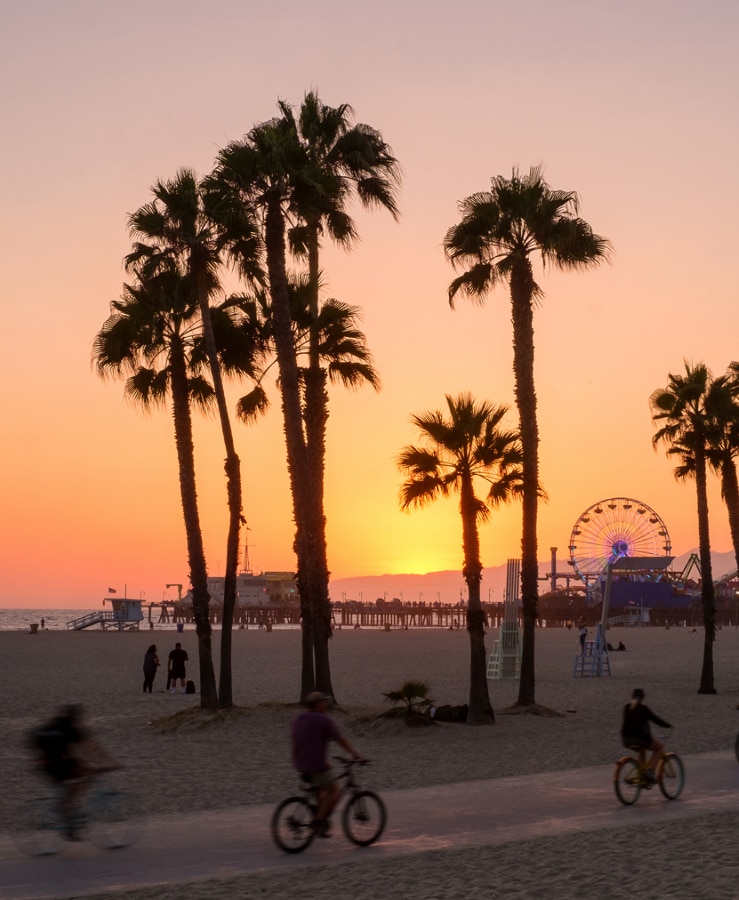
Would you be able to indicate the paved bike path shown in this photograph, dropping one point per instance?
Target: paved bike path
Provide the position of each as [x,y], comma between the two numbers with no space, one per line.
[233,842]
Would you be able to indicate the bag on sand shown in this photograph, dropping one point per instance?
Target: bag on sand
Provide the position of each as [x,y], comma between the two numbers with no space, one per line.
[190,686]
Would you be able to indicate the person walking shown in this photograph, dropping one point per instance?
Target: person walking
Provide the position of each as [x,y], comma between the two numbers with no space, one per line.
[151,664]
[176,668]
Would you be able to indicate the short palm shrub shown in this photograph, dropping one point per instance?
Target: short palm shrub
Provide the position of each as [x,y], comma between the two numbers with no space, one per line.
[411,700]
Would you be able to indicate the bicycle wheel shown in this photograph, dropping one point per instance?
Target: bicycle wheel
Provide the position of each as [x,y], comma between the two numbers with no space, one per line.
[109,825]
[671,776]
[38,831]
[364,818]
[292,824]
[627,780]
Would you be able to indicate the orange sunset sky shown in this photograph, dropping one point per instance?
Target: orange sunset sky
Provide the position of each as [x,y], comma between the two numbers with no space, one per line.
[633,105]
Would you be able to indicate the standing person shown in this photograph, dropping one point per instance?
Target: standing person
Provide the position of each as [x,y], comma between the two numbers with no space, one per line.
[635,729]
[176,668]
[151,664]
[312,732]
[583,635]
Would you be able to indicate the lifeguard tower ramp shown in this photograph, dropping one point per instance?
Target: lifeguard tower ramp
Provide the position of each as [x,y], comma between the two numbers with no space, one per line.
[125,616]
[505,659]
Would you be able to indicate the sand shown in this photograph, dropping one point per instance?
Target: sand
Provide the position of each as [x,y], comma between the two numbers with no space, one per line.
[179,760]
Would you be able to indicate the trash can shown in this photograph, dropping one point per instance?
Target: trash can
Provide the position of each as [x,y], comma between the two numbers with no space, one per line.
[34,627]
[180,627]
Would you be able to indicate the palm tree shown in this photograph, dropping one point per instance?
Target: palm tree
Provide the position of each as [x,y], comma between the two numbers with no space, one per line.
[153,337]
[344,160]
[257,175]
[500,232]
[457,451]
[174,230]
[679,409]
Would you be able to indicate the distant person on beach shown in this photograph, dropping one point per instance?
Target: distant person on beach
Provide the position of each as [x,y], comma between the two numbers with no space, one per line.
[312,732]
[43,624]
[176,668]
[70,756]
[583,635]
[151,664]
[635,729]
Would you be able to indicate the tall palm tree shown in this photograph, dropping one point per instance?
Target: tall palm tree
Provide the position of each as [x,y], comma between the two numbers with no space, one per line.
[679,411]
[467,446]
[300,173]
[174,230]
[344,160]
[501,231]
[258,175]
[153,337]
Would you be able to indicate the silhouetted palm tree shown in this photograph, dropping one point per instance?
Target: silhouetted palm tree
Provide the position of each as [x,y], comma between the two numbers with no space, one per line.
[174,230]
[344,160]
[277,175]
[154,338]
[501,231]
[680,411]
[466,446]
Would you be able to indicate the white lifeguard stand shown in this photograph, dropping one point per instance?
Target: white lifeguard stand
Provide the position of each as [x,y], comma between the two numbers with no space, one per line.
[505,659]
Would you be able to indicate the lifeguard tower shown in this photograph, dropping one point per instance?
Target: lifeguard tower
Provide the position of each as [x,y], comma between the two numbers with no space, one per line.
[125,616]
[505,659]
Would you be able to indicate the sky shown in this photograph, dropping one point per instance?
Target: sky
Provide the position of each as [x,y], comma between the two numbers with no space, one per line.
[631,105]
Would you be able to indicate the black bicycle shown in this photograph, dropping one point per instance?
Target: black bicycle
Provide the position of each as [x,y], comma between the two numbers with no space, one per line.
[363,817]
[103,818]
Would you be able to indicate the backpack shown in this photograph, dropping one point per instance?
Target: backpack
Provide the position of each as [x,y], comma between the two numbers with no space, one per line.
[190,686]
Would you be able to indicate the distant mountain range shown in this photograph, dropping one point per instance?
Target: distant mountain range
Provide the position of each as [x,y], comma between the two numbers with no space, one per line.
[449,586]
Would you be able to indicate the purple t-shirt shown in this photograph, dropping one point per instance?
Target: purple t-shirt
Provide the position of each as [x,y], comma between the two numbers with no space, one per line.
[312,731]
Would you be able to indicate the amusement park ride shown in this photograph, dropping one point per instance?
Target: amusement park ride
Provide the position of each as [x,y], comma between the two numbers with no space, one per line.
[624,535]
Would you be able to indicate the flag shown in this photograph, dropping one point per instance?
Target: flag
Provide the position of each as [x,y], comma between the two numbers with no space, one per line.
[112,591]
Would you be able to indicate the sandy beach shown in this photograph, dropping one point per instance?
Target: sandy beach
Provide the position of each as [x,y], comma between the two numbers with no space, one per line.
[180,760]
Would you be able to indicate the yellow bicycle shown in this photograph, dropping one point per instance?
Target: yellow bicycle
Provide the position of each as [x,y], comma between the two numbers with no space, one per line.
[631,776]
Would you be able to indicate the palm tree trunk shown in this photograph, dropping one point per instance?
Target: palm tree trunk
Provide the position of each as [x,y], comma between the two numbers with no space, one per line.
[707,685]
[522,285]
[297,462]
[480,707]
[233,491]
[316,416]
[195,551]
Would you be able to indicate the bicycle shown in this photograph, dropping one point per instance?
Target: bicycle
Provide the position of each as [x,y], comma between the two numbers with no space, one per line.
[631,777]
[102,818]
[363,818]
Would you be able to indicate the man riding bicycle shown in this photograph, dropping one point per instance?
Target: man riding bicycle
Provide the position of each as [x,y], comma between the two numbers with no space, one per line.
[312,732]
[70,756]
[635,730]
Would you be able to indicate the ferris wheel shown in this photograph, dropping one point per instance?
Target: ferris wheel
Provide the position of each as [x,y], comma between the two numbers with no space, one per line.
[614,528]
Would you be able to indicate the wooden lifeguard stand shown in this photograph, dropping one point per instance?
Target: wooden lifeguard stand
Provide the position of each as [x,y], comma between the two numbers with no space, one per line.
[505,660]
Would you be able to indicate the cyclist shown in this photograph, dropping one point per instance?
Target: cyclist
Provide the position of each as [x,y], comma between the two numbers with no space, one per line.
[69,755]
[635,730]
[312,732]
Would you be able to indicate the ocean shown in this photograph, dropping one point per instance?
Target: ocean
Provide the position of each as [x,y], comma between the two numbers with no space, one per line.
[56,619]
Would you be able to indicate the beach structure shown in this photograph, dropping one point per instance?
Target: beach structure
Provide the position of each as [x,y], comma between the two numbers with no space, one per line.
[124,616]
[505,659]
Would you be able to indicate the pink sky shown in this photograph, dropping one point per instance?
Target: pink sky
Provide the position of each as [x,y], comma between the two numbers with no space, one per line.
[632,105]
